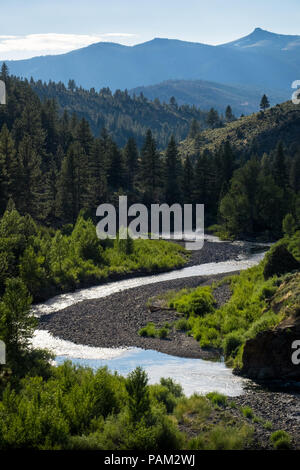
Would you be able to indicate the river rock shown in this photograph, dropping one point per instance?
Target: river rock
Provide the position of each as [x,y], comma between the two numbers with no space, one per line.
[268,356]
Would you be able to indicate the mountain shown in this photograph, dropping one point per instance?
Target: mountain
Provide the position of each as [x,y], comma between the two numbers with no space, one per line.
[261,59]
[206,95]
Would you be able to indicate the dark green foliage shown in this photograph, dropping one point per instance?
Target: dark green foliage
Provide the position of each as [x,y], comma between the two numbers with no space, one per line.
[138,395]
[232,343]
[264,104]
[16,322]
[173,174]
[123,115]
[281,440]
[279,261]
[217,398]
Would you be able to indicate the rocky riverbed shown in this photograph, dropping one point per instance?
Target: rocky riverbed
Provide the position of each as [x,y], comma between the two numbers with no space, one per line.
[114,321]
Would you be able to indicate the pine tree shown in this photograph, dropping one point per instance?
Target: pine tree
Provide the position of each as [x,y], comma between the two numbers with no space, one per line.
[131,163]
[150,170]
[67,199]
[29,179]
[295,173]
[279,167]
[98,176]
[188,181]
[4,73]
[194,129]
[173,174]
[213,118]
[116,171]
[264,104]
[229,114]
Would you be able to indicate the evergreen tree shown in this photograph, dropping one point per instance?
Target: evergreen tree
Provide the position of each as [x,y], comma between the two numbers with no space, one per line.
[131,163]
[98,176]
[264,104]
[116,171]
[194,129]
[213,118]
[173,174]
[29,179]
[150,170]
[67,199]
[188,181]
[295,173]
[229,114]
[4,73]
[16,322]
[279,167]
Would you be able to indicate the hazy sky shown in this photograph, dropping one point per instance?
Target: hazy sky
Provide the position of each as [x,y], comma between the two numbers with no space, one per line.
[37,27]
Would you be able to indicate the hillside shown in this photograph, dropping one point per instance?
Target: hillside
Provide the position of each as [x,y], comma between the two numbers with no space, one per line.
[261,59]
[122,115]
[257,133]
[206,95]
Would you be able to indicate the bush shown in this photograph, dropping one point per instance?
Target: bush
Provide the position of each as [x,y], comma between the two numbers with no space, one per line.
[148,331]
[222,437]
[279,261]
[231,344]
[182,325]
[198,301]
[281,440]
[217,398]
[247,412]
[163,333]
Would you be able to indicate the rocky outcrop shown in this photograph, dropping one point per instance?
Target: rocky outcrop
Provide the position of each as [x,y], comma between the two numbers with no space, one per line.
[268,356]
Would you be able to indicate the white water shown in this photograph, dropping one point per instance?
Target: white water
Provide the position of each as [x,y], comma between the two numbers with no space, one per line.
[195,375]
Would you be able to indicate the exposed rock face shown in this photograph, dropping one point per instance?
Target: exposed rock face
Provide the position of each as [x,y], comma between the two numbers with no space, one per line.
[269,355]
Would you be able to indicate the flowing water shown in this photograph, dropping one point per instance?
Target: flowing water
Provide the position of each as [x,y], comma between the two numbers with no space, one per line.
[195,375]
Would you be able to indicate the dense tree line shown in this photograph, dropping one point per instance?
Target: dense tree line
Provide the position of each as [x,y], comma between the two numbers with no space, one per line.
[123,115]
[52,167]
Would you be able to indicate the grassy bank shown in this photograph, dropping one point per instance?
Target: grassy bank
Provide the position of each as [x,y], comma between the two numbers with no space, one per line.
[51,261]
[249,309]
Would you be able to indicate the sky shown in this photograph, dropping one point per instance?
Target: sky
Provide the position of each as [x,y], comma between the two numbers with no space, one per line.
[38,27]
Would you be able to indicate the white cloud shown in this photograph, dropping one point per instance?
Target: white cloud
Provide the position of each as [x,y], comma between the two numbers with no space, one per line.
[23,47]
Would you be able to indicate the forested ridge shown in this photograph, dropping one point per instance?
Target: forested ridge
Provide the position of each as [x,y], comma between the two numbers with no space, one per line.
[52,167]
[121,114]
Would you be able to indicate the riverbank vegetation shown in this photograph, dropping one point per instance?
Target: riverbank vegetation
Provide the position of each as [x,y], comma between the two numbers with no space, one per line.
[249,309]
[50,261]
[77,409]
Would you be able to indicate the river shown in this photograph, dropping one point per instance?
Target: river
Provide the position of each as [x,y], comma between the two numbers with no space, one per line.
[195,375]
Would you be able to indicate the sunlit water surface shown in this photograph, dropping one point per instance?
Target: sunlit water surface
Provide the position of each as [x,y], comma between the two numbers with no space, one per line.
[195,375]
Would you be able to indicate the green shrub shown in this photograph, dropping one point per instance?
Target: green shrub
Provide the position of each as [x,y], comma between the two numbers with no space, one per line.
[182,324]
[279,261]
[148,331]
[231,344]
[217,398]
[281,440]
[222,437]
[163,333]
[248,412]
[198,301]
